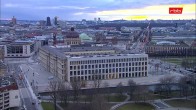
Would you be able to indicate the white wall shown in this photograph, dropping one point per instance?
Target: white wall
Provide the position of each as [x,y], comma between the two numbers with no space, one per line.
[14,100]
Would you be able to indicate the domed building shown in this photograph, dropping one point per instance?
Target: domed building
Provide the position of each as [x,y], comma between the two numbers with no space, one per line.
[85,38]
[72,38]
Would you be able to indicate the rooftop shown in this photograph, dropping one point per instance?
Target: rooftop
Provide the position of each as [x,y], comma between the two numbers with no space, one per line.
[7,83]
[61,51]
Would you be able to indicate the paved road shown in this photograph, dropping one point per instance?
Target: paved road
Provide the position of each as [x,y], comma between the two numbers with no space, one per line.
[24,92]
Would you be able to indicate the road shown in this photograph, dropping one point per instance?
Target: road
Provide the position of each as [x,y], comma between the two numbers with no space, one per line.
[26,97]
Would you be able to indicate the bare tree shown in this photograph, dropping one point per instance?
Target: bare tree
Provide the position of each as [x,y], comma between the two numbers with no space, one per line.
[96,81]
[76,86]
[63,95]
[105,85]
[119,89]
[183,85]
[140,93]
[99,103]
[132,86]
[54,88]
[166,83]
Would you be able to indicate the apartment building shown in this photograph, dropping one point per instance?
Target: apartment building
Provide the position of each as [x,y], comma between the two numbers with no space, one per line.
[9,93]
[88,63]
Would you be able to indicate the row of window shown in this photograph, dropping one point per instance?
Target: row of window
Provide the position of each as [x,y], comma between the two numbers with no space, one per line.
[107,61]
[108,65]
[109,76]
[14,49]
[114,70]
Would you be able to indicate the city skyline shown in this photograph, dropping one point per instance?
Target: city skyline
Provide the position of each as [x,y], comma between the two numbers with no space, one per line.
[106,10]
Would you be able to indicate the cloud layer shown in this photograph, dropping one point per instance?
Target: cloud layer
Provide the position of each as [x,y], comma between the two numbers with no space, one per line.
[89,9]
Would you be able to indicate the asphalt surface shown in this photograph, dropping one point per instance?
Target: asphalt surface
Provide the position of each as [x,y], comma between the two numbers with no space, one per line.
[24,92]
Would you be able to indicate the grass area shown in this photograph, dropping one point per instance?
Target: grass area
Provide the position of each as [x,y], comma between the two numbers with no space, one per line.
[182,103]
[109,98]
[177,60]
[47,106]
[136,106]
[83,106]
[115,98]
[173,60]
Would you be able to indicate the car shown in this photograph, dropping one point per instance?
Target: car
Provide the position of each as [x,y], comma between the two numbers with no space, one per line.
[38,96]
[23,107]
[39,101]
[50,77]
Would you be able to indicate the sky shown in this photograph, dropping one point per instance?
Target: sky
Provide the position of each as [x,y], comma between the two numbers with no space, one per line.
[90,9]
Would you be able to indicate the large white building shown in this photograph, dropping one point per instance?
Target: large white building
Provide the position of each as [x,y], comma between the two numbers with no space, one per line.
[19,49]
[89,63]
[9,94]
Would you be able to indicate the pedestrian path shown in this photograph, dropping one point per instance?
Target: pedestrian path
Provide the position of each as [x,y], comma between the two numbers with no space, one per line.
[122,103]
[160,104]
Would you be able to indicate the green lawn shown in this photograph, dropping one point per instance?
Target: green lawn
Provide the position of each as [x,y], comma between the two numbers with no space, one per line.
[182,103]
[47,106]
[177,60]
[173,60]
[136,106]
[115,98]
[110,98]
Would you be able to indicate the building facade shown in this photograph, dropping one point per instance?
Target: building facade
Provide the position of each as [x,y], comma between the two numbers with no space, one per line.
[88,63]
[19,49]
[72,38]
[9,94]
[166,48]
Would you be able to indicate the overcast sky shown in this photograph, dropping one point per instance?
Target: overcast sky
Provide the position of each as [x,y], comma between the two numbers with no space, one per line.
[89,9]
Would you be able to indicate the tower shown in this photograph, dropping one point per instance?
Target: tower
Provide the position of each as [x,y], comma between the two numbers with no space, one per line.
[48,22]
[55,20]
[14,20]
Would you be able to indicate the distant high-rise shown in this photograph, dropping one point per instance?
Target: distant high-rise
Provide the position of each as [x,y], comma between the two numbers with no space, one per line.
[56,20]
[48,22]
[14,20]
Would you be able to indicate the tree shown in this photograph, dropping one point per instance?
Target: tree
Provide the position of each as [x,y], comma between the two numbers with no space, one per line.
[107,95]
[132,86]
[119,89]
[76,86]
[140,92]
[99,103]
[166,84]
[54,88]
[96,81]
[63,95]
[183,85]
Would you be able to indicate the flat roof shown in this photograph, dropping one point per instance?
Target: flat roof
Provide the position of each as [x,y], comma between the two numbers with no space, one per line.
[61,52]
[7,83]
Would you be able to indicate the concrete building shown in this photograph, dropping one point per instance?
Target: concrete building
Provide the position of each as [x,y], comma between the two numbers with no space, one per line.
[19,49]
[169,48]
[88,63]
[9,93]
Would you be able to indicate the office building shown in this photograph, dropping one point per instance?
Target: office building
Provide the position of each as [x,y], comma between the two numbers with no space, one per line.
[19,49]
[48,22]
[56,20]
[88,63]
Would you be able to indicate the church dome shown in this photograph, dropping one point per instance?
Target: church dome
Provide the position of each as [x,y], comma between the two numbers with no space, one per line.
[72,34]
